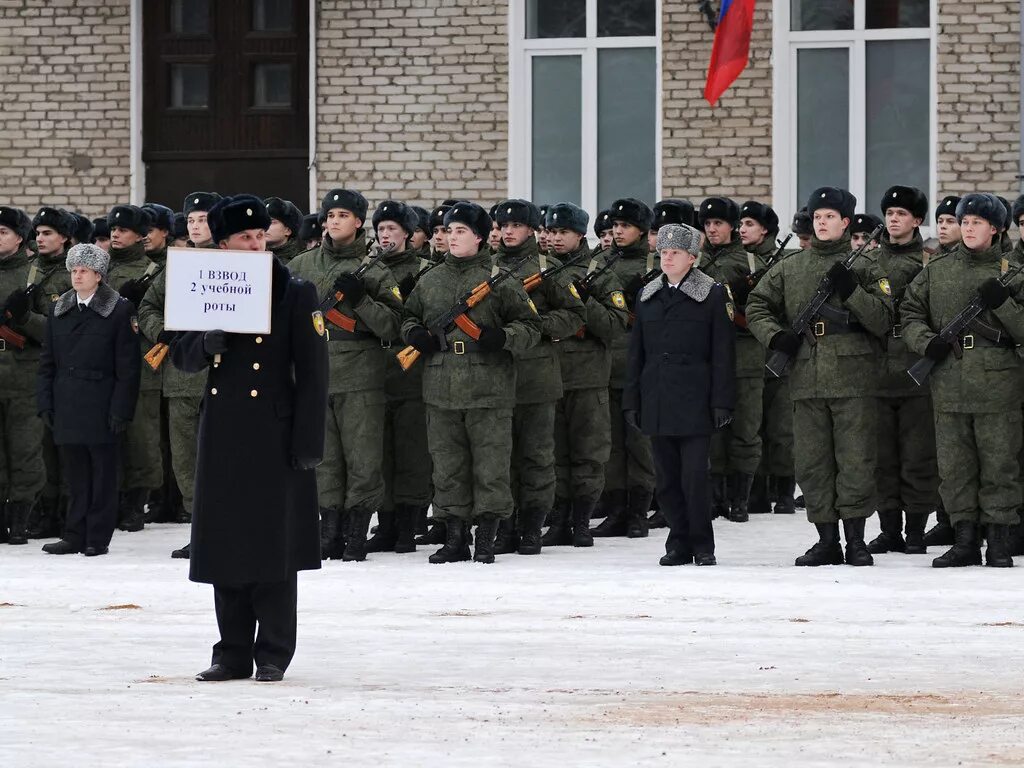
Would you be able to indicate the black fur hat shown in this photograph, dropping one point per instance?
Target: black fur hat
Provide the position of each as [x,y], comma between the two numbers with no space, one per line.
[199,201]
[437,216]
[286,212]
[802,223]
[348,199]
[422,218]
[719,208]
[129,217]
[179,226]
[16,220]
[984,205]
[632,211]
[519,212]
[83,228]
[763,214]
[400,213]
[864,222]
[911,198]
[311,228]
[567,216]
[673,210]
[833,198]
[603,222]
[948,207]
[160,216]
[1018,210]
[100,229]
[62,222]
[470,214]
[238,213]
[493,211]
[1009,212]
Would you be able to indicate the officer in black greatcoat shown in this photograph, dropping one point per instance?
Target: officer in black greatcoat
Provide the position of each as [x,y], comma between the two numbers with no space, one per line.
[86,390]
[255,521]
[681,386]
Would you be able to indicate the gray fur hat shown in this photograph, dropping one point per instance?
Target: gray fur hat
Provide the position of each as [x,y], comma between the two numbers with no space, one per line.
[88,255]
[681,236]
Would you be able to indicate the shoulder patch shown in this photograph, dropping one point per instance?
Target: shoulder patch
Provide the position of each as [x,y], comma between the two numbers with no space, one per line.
[135,324]
[730,310]
[398,293]
[54,297]
[883,284]
[728,293]
[318,323]
[532,306]
[618,299]
[573,291]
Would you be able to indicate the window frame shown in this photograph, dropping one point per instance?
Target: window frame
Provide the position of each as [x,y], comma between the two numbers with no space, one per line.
[785,45]
[521,52]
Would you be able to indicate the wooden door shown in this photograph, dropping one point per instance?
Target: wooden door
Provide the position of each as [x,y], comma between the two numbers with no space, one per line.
[226,98]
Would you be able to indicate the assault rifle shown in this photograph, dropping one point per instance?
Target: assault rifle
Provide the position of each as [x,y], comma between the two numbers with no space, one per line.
[8,334]
[590,279]
[329,306]
[457,315]
[803,325]
[530,283]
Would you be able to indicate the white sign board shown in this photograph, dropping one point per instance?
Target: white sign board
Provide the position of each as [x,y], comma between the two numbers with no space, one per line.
[210,289]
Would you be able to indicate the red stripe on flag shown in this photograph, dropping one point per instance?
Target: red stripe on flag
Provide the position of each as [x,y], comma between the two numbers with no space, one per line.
[731,49]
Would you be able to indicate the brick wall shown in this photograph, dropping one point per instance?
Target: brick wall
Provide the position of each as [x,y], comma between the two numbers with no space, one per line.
[412,98]
[64,124]
[979,97]
[725,150]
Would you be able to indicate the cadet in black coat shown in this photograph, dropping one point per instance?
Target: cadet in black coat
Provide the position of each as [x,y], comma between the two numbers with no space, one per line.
[255,521]
[87,387]
[681,386]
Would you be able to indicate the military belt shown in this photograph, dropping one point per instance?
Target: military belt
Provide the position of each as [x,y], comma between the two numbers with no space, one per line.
[464,348]
[976,340]
[830,328]
[340,333]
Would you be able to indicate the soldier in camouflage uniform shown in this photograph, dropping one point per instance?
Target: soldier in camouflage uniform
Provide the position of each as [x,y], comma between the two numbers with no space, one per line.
[603,230]
[735,450]
[582,426]
[863,224]
[285,225]
[629,473]
[976,391]
[469,388]
[101,232]
[835,417]
[21,441]
[438,231]
[419,243]
[906,476]
[311,232]
[350,482]
[406,463]
[538,379]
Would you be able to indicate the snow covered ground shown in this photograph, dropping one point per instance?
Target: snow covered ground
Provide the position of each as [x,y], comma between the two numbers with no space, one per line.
[573,658]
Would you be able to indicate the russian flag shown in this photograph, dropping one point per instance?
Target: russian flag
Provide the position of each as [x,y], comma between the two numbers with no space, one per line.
[731,48]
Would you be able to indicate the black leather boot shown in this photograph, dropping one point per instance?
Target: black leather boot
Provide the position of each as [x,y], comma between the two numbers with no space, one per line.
[997,554]
[581,535]
[62,547]
[891,537]
[827,550]
[719,496]
[330,520]
[185,552]
[965,550]
[17,521]
[657,520]
[132,510]
[43,519]
[916,523]
[739,496]
[856,550]
[435,535]
[1016,539]
[639,504]
[486,530]
[759,502]
[405,528]
[531,521]
[355,541]
[506,540]
[785,487]
[421,520]
[386,535]
[941,534]
[614,523]
[599,508]
[559,533]
[456,546]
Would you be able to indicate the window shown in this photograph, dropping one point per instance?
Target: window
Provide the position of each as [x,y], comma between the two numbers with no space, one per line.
[190,86]
[272,15]
[272,86]
[190,18]
[854,99]
[584,101]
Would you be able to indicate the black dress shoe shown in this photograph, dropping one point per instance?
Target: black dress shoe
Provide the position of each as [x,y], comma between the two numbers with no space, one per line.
[182,554]
[704,559]
[94,551]
[676,558]
[62,547]
[268,673]
[219,673]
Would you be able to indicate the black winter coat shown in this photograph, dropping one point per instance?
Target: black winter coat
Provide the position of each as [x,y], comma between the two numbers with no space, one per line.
[255,517]
[89,367]
[682,356]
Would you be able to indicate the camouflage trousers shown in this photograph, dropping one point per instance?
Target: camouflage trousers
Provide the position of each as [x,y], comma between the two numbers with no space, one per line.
[350,475]
[907,476]
[142,464]
[21,449]
[631,461]
[406,461]
[583,443]
[737,448]
[182,434]
[777,428]
[533,456]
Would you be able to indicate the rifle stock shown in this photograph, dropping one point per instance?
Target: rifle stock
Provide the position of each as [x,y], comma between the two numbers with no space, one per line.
[156,355]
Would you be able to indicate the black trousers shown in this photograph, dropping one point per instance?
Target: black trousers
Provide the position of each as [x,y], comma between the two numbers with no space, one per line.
[684,493]
[240,608]
[93,476]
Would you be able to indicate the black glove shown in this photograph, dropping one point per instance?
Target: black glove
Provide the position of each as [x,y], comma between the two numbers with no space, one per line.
[843,279]
[993,293]
[423,340]
[633,286]
[17,304]
[165,337]
[787,342]
[491,339]
[581,289]
[938,350]
[351,286]
[406,285]
[118,426]
[303,464]
[740,290]
[721,416]
[133,291]
[47,417]
[632,418]
[215,343]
